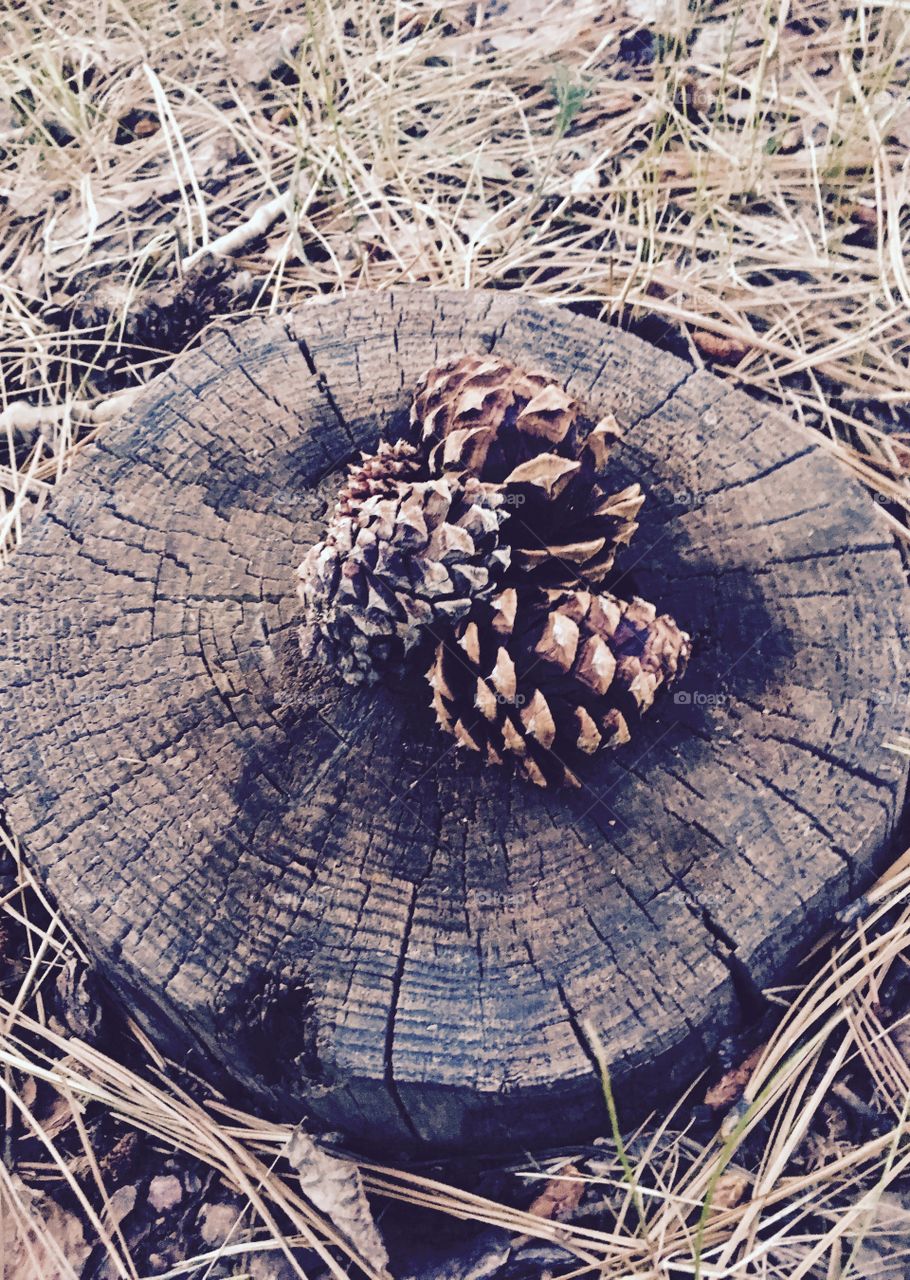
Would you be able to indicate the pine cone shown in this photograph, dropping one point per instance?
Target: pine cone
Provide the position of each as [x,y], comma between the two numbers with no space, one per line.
[408,555]
[549,676]
[524,433]
[483,391]
[379,473]
[118,326]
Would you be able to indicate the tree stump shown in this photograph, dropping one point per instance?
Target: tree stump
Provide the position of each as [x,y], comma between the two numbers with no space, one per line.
[303,882]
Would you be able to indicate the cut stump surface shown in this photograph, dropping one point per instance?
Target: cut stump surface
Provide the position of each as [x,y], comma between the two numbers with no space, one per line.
[303,881]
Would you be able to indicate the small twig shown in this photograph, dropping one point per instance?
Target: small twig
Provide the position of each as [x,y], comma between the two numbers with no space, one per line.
[257,224]
[24,419]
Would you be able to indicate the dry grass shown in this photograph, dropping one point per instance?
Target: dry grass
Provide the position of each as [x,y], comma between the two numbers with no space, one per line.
[730,180]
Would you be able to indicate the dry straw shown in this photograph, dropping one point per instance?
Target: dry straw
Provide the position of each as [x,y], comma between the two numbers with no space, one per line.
[731,179]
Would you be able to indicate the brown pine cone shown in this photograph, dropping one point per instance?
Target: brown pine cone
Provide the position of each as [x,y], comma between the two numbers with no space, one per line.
[524,433]
[550,676]
[393,563]
[379,472]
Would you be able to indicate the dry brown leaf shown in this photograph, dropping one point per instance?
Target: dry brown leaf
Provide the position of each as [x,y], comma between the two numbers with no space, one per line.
[42,1241]
[33,191]
[268,50]
[30,274]
[121,1203]
[585,182]
[661,13]
[411,243]
[58,1116]
[560,1196]
[730,1189]
[865,215]
[90,216]
[70,234]
[723,350]
[831,1142]
[491,167]
[901,447]
[211,157]
[335,1187]
[527,26]
[729,1088]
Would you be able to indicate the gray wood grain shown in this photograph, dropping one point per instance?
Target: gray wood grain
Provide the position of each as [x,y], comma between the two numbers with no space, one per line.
[301,880]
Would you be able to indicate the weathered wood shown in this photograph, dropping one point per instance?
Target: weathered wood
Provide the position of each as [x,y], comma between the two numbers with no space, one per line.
[301,880]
